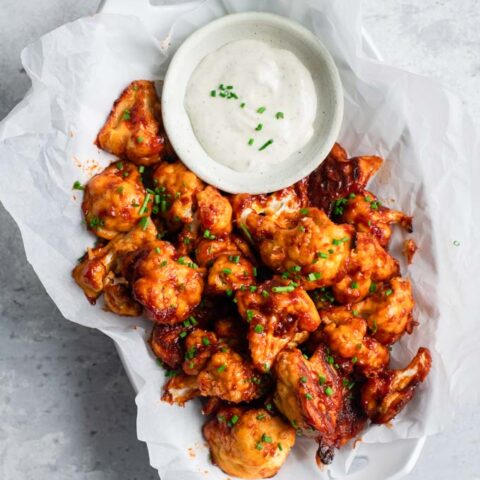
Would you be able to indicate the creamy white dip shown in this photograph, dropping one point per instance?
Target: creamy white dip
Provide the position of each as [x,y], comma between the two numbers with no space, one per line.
[251,105]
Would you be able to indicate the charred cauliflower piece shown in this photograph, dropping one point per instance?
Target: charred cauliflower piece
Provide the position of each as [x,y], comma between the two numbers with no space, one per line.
[115,200]
[276,312]
[337,176]
[348,338]
[92,271]
[389,312]
[180,389]
[367,214]
[168,286]
[385,395]
[133,128]
[248,443]
[367,264]
[214,211]
[179,188]
[279,209]
[230,377]
[314,252]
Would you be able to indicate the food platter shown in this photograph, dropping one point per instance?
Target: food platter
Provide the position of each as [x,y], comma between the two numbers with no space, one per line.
[386,460]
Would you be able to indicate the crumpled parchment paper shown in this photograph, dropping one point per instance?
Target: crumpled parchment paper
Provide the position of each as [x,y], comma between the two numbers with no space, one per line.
[431,171]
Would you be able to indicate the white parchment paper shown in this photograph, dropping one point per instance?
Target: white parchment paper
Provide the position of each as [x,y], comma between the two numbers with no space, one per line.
[431,171]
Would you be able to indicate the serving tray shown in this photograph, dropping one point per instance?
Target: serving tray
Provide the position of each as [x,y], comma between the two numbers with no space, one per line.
[372,461]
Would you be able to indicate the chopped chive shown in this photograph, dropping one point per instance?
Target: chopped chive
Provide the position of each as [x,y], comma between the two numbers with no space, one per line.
[229,87]
[308,396]
[250,141]
[287,288]
[206,341]
[303,379]
[322,255]
[354,285]
[143,223]
[246,231]
[279,445]
[388,292]
[330,360]
[157,249]
[227,271]
[78,186]
[260,416]
[139,139]
[258,446]
[321,379]
[144,206]
[141,168]
[372,288]
[242,105]
[258,328]
[208,234]
[183,334]
[266,438]
[234,420]
[254,271]
[253,288]
[456,243]
[374,327]
[314,276]
[279,115]
[126,114]
[213,93]
[186,241]
[354,360]
[119,165]
[265,293]
[261,109]
[328,391]
[250,315]
[163,264]
[221,86]
[304,211]
[259,127]
[265,145]
[221,368]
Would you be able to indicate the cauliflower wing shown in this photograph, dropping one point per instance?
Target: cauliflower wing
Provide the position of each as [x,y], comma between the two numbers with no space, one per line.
[275,312]
[178,188]
[91,273]
[248,443]
[385,395]
[115,200]
[133,128]
[314,252]
[118,297]
[337,176]
[367,263]
[180,389]
[367,214]
[316,400]
[199,347]
[279,209]
[230,377]
[348,338]
[168,286]
[214,211]
[389,312]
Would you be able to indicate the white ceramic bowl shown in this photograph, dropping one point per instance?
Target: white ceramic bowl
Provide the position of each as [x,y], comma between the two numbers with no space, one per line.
[281,33]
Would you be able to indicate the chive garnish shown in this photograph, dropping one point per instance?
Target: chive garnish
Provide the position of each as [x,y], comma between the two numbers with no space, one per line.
[259,127]
[242,105]
[265,145]
[261,110]
[250,141]
[279,115]
[286,288]
[143,208]
[78,186]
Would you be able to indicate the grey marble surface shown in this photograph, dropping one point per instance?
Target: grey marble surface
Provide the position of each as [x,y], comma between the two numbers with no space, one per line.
[67,410]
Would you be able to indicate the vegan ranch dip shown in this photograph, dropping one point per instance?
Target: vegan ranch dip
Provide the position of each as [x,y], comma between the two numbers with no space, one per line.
[251,105]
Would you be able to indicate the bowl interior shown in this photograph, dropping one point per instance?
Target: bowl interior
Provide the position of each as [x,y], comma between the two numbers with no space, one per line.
[278,32]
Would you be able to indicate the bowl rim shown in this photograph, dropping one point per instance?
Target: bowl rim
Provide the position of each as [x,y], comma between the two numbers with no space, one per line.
[198,165]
